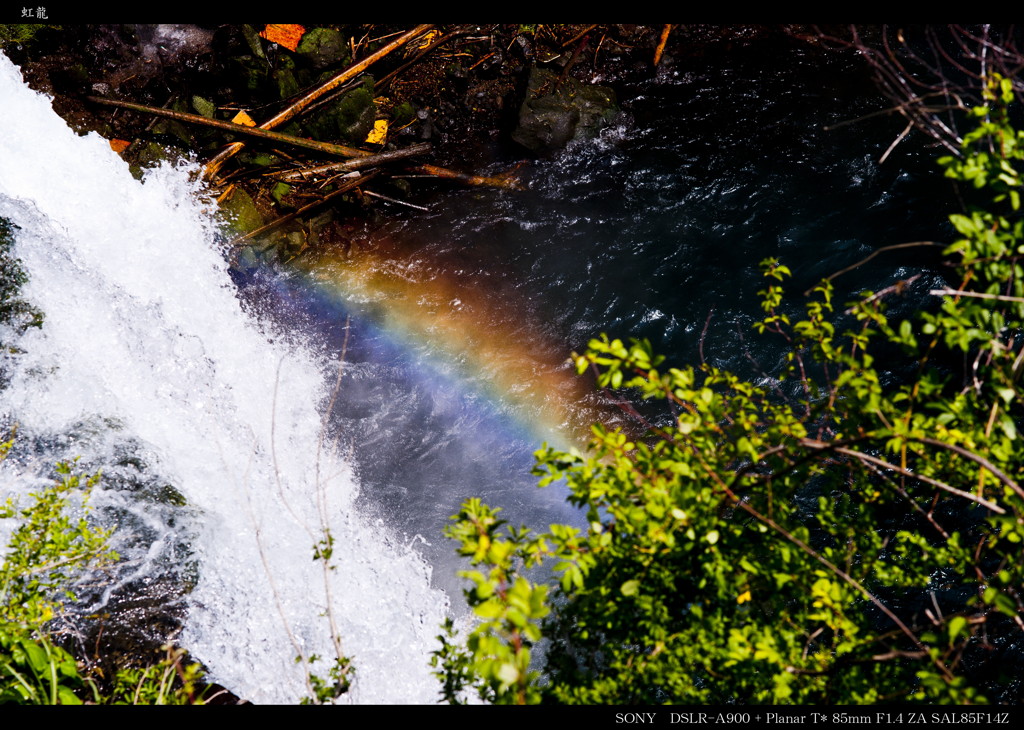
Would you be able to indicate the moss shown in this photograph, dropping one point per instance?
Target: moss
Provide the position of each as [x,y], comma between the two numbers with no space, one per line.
[20,34]
[324,47]
[403,113]
[242,212]
[355,113]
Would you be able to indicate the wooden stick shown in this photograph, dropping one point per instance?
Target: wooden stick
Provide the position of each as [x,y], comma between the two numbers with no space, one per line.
[947,292]
[579,35]
[345,187]
[874,253]
[815,444]
[309,173]
[396,201]
[496,182]
[214,165]
[572,59]
[312,144]
[661,44]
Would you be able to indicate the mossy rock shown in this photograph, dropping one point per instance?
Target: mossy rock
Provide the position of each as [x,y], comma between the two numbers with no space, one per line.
[403,114]
[169,495]
[556,111]
[16,315]
[286,83]
[143,156]
[253,71]
[324,47]
[349,119]
[355,114]
[204,106]
[285,78]
[241,211]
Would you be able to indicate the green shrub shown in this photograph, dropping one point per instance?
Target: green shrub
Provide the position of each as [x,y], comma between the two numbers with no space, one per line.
[48,550]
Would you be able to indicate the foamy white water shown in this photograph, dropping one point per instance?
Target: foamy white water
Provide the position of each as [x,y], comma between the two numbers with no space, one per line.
[145,338]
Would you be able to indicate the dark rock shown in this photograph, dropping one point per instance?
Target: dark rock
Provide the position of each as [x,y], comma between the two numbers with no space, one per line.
[556,112]
[242,211]
[355,113]
[169,43]
[323,47]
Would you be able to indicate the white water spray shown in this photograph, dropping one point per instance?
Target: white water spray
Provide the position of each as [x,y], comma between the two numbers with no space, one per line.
[144,338]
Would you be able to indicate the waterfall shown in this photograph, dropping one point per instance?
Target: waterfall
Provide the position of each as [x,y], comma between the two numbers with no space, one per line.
[146,349]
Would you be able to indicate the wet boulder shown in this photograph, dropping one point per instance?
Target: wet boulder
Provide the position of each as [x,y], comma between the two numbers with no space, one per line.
[324,47]
[558,110]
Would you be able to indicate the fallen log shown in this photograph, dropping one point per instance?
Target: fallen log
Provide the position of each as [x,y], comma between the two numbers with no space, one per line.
[506,180]
[287,139]
[309,174]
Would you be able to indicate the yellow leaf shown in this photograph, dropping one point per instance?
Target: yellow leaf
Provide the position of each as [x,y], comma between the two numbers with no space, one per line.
[284,35]
[427,39]
[243,118]
[379,132]
[744,597]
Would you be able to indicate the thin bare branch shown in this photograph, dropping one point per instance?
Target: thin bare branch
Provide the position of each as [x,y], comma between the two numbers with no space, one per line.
[899,138]
[976,458]
[947,292]
[876,252]
[860,455]
[312,173]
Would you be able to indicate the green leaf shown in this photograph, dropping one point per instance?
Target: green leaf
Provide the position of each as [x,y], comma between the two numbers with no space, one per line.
[956,627]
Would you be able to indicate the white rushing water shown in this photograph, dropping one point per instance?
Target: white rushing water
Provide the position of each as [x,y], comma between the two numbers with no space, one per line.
[145,340]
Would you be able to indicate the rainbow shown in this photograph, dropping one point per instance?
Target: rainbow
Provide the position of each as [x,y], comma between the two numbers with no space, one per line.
[460,325]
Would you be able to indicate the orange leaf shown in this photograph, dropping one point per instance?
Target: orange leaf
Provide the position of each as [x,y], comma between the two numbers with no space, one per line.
[243,118]
[284,35]
[119,145]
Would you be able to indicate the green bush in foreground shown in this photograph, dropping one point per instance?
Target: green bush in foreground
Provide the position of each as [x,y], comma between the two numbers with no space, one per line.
[47,551]
[855,543]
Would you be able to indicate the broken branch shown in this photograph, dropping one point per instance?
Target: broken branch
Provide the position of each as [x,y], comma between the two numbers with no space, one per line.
[310,173]
[506,181]
[325,147]
[661,44]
